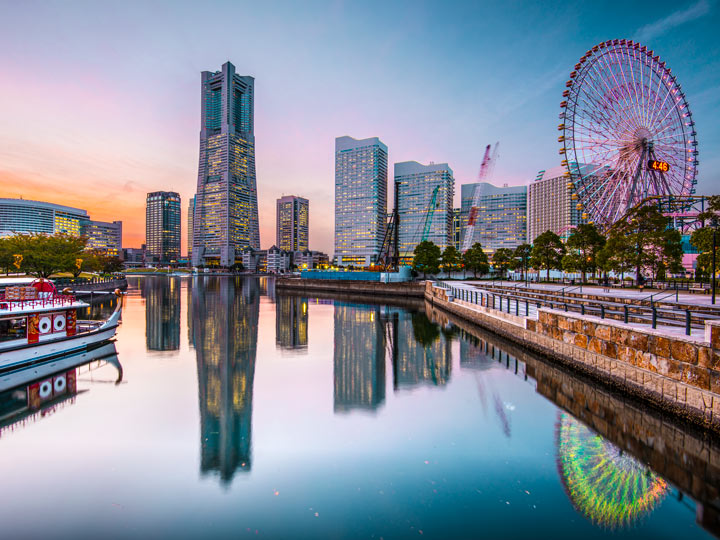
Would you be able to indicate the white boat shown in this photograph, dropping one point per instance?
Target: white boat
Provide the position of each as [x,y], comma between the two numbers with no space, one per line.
[38,324]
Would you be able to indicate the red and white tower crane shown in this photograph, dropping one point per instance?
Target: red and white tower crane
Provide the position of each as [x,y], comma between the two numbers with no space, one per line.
[485,174]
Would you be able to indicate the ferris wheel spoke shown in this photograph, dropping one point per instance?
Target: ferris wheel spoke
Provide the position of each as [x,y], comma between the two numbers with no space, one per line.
[631,90]
[609,97]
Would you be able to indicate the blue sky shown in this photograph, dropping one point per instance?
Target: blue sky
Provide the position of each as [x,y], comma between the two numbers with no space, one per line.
[100,101]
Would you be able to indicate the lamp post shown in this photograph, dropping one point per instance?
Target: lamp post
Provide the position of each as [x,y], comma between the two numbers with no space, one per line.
[714,224]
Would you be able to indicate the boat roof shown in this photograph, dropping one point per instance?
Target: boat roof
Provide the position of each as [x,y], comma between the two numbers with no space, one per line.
[10,281]
[41,305]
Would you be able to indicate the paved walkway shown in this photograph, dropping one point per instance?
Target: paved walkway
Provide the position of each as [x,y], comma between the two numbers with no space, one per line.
[532,312]
[612,292]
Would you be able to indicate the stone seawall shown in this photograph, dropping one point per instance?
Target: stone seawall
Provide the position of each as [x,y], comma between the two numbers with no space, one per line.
[673,373]
[374,288]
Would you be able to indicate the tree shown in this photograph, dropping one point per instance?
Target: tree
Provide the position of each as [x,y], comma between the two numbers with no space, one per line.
[583,246]
[522,256]
[547,252]
[426,258]
[44,255]
[503,260]
[476,260]
[645,241]
[451,260]
[702,238]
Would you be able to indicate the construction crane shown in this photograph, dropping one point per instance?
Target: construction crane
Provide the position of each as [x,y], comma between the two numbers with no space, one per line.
[486,168]
[429,214]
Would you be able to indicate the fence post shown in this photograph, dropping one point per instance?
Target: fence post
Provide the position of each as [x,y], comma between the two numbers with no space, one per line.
[517,307]
[602,311]
[625,313]
[687,322]
[527,309]
[582,309]
[654,317]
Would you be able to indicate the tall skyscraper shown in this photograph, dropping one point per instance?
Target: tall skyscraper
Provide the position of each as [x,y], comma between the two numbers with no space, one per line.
[457,231]
[293,223]
[424,191]
[190,221]
[162,226]
[501,219]
[226,209]
[550,204]
[360,199]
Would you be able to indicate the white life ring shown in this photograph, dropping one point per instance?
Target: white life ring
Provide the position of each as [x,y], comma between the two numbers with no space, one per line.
[46,389]
[59,384]
[59,323]
[45,325]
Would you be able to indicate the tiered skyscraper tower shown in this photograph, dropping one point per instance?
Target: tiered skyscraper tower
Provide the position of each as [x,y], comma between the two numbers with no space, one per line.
[226,208]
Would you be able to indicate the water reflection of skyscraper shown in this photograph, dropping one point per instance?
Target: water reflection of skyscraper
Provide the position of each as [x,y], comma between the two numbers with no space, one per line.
[225,316]
[359,357]
[291,322]
[162,313]
[423,353]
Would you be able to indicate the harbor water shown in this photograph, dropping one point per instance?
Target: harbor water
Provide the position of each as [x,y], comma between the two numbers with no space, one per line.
[228,410]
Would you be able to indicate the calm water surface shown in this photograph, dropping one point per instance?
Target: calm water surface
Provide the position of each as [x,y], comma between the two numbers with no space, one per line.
[242,412]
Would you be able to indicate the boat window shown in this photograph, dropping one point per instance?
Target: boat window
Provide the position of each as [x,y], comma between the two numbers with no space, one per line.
[13,329]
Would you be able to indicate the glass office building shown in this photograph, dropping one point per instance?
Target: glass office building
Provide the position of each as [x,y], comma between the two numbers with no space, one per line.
[360,199]
[162,227]
[23,216]
[501,218]
[425,204]
[103,236]
[293,223]
[190,221]
[226,208]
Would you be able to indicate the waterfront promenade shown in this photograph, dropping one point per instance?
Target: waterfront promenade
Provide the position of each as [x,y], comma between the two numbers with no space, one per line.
[673,366]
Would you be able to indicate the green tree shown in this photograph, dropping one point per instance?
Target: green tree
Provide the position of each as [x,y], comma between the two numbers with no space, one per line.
[476,260]
[522,257]
[451,260]
[6,255]
[426,258]
[583,246]
[44,255]
[503,260]
[547,252]
[645,241]
[702,238]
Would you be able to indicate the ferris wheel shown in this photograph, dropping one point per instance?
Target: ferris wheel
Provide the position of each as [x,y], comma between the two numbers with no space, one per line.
[627,132]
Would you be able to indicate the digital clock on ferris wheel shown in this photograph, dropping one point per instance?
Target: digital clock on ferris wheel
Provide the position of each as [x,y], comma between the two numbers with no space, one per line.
[655,165]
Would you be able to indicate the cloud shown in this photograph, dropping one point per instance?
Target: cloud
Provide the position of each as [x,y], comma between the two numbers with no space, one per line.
[653,30]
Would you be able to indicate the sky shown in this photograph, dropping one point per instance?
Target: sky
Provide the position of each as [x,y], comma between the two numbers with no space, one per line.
[100,101]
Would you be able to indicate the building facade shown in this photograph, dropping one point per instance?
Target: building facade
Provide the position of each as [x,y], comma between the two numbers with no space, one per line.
[360,199]
[103,236]
[550,204]
[23,216]
[425,198]
[293,223]
[458,229]
[501,218]
[278,260]
[190,221]
[226,208]
[162,227]
[133,257]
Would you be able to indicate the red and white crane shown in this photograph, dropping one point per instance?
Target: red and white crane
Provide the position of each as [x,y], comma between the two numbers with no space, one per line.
[485,174]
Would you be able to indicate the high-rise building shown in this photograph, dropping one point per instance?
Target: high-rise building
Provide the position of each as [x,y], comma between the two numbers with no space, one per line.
[360,199]
[501,218]
[226,208]
[457,228]
[550,204]
[191,220]
[162,227]
[23,216]
[103,236]
[425,195]
[293,223]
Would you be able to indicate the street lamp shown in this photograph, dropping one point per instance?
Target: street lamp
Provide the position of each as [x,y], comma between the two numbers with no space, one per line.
[714,225]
